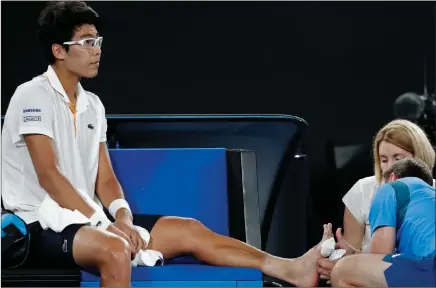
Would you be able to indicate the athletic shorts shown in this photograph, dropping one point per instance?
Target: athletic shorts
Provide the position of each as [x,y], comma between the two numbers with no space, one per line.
[55,250]
[410,272]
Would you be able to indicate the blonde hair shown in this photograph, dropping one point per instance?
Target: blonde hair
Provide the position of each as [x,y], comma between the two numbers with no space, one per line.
[407,136]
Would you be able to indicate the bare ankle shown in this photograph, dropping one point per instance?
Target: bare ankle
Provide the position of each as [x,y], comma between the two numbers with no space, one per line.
[278,267]
[268,262]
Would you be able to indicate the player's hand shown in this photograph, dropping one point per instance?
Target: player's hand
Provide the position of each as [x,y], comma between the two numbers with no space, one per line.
[125,224]
[113,229]
[325,267]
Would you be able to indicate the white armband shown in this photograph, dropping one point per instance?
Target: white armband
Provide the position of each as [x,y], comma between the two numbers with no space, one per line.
[100,221]
[118,204]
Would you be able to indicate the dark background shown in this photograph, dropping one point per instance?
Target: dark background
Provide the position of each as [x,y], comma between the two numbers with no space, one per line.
[337,65]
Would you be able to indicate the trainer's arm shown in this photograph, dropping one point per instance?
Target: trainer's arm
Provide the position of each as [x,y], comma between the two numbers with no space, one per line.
[383,220]
[383,240]
[353,233]
[107,187]
[354,219]
[44,160]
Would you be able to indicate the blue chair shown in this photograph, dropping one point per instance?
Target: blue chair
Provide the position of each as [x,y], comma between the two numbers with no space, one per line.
[277,141]
[189,183]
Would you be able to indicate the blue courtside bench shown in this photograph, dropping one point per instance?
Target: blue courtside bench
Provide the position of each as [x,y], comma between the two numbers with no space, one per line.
[201,183]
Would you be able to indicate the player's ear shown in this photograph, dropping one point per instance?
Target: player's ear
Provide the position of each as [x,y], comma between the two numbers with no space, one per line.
[392,177]
[58,51]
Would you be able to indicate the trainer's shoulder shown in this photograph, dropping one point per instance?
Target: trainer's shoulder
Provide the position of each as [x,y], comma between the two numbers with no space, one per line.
[368,184]
[416,183]
[370,180]
[362,191]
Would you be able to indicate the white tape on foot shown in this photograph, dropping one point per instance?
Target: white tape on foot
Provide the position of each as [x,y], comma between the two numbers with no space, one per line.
[327,247]
[337,254]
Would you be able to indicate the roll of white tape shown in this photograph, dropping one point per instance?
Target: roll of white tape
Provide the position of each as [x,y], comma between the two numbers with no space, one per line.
[327,247]
[337,254]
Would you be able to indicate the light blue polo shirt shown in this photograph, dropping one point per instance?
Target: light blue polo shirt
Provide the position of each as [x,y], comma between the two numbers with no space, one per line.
[408,204]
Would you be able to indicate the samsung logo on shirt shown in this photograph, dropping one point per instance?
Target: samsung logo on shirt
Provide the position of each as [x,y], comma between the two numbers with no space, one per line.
[31,110]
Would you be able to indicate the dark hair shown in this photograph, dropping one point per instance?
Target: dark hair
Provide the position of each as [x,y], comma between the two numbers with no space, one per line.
[410,167]
[58,20]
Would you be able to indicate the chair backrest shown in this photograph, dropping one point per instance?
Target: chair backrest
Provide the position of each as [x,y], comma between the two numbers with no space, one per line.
[176,182]
[274,139]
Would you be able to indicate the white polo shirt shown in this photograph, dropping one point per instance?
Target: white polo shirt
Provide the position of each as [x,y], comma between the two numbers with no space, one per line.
[41,106]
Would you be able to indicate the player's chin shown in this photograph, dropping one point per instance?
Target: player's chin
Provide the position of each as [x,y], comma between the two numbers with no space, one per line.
[90,73]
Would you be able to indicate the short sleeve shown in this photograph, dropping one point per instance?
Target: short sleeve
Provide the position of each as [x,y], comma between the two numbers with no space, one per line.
[353,200]
[32,113]
[103,128]
[383,209]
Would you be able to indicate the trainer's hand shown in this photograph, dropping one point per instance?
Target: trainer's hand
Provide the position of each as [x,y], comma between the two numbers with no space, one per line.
[113,229]
[126,225]
[325,267]
[340,241]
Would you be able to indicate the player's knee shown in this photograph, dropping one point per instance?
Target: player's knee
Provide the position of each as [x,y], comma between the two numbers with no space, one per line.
[192,225]
[115,255]
[188,226]
[188,230]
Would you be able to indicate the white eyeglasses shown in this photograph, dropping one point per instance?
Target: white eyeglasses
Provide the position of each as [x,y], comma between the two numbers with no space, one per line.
[88,43]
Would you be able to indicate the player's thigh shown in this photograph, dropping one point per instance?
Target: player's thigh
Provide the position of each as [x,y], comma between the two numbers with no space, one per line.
[93,247]
[78,245]
[51,249]
[361,270]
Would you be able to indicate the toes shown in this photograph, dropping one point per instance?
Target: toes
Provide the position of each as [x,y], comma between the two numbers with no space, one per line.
[330,228]
[327,233]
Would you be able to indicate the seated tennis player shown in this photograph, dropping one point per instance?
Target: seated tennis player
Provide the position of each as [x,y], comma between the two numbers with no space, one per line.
[54,143]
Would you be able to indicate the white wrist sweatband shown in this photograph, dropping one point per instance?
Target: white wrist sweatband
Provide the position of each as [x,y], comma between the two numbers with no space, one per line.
[99,220]
[118,204]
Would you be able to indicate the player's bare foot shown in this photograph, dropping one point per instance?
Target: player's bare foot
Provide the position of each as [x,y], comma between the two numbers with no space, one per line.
[304,269]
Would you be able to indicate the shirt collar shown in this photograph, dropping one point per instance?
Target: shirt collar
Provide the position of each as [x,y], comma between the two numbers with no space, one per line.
[82,97]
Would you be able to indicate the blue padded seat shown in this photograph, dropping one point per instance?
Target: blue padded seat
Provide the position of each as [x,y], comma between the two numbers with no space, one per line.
[187,275]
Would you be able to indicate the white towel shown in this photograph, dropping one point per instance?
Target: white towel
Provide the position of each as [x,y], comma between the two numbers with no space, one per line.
[146,257]
[52,216]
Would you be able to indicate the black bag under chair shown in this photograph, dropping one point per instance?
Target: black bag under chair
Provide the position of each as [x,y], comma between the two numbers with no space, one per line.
[15,240]
[16,271]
